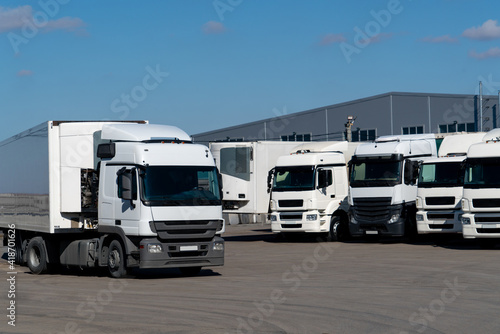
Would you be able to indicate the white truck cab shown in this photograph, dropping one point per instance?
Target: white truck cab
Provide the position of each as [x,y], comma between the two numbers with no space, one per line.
[440,186]
[481,194]
[309,188]
[383,188]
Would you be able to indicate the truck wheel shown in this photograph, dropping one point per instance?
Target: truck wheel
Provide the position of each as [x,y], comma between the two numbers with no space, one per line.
[338,230]
[116,260]
[36,256]
[190,271]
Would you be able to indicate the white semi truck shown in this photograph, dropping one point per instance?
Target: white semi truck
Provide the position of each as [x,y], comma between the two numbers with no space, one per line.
[244,167]
[440,186]
[481,194]
[309,190]
[119,195]
[383,189]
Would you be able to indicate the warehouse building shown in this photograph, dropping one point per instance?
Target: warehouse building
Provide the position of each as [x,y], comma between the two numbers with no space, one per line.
[385,114]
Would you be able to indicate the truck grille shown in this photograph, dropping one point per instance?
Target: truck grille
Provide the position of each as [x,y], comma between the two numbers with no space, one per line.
[440,200]
[488,230]
[487,219]
[185,230]
[486,202]
[440,215]
[372,209]
[440,226]
[290,203]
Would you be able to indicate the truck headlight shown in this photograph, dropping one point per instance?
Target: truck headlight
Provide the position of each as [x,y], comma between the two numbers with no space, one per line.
[155,248]
[312,217]
[394,218]
[465,221]
[420,218]
[353,220]
[273,218]
[218,246]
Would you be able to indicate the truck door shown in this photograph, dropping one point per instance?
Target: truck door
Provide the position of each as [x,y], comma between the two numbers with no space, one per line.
[128,202]
[325,186]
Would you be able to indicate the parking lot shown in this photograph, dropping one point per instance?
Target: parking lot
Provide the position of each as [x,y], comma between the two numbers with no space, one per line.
[271,285]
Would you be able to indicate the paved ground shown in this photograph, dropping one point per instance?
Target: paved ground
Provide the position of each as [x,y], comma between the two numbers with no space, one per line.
[275,286]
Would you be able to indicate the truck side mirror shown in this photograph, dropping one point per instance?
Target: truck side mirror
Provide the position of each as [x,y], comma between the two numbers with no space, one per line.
[126,185]
[408,172]
[325,178]
[270,180]
[219,178]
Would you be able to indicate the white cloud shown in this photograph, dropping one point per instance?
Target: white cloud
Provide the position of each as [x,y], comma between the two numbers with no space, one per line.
[377,38]
[17,18]
[488,31]
[24,73]
[491,53]
[331,39]
[440,39]
[213,27]
[11,19]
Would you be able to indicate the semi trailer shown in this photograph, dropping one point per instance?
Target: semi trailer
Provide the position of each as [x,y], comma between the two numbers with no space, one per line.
[244,167]
[120,195]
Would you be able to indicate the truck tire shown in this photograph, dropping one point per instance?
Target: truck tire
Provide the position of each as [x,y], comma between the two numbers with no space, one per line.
[190,271]
[339,231]
[36,256]
[116,260]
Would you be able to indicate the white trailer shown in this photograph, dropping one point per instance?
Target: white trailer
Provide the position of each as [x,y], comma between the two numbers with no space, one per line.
[245,167]
[440,186]
[383,190]
[309,190]
[115,194]
[481,194]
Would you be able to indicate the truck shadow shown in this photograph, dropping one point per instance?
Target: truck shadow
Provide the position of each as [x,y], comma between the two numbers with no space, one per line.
[449,241]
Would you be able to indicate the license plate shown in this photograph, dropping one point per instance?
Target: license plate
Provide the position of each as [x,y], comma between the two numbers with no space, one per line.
[371,232]
[188,248]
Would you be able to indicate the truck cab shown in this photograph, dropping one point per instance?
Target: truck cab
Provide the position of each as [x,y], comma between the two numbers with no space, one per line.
[481,194]
[383,190]
[440,186]
[308,191]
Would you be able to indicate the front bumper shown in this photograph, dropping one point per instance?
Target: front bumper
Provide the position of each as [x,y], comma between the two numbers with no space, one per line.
[182,254]
[299,222]
[429,222]
[481,225]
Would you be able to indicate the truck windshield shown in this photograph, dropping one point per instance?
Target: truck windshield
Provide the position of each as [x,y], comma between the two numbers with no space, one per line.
[296,178]
[482,173]
[375,172]
[444,174]
[180,185]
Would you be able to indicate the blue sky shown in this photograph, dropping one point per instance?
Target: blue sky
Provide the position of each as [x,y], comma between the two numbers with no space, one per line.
[204,65]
